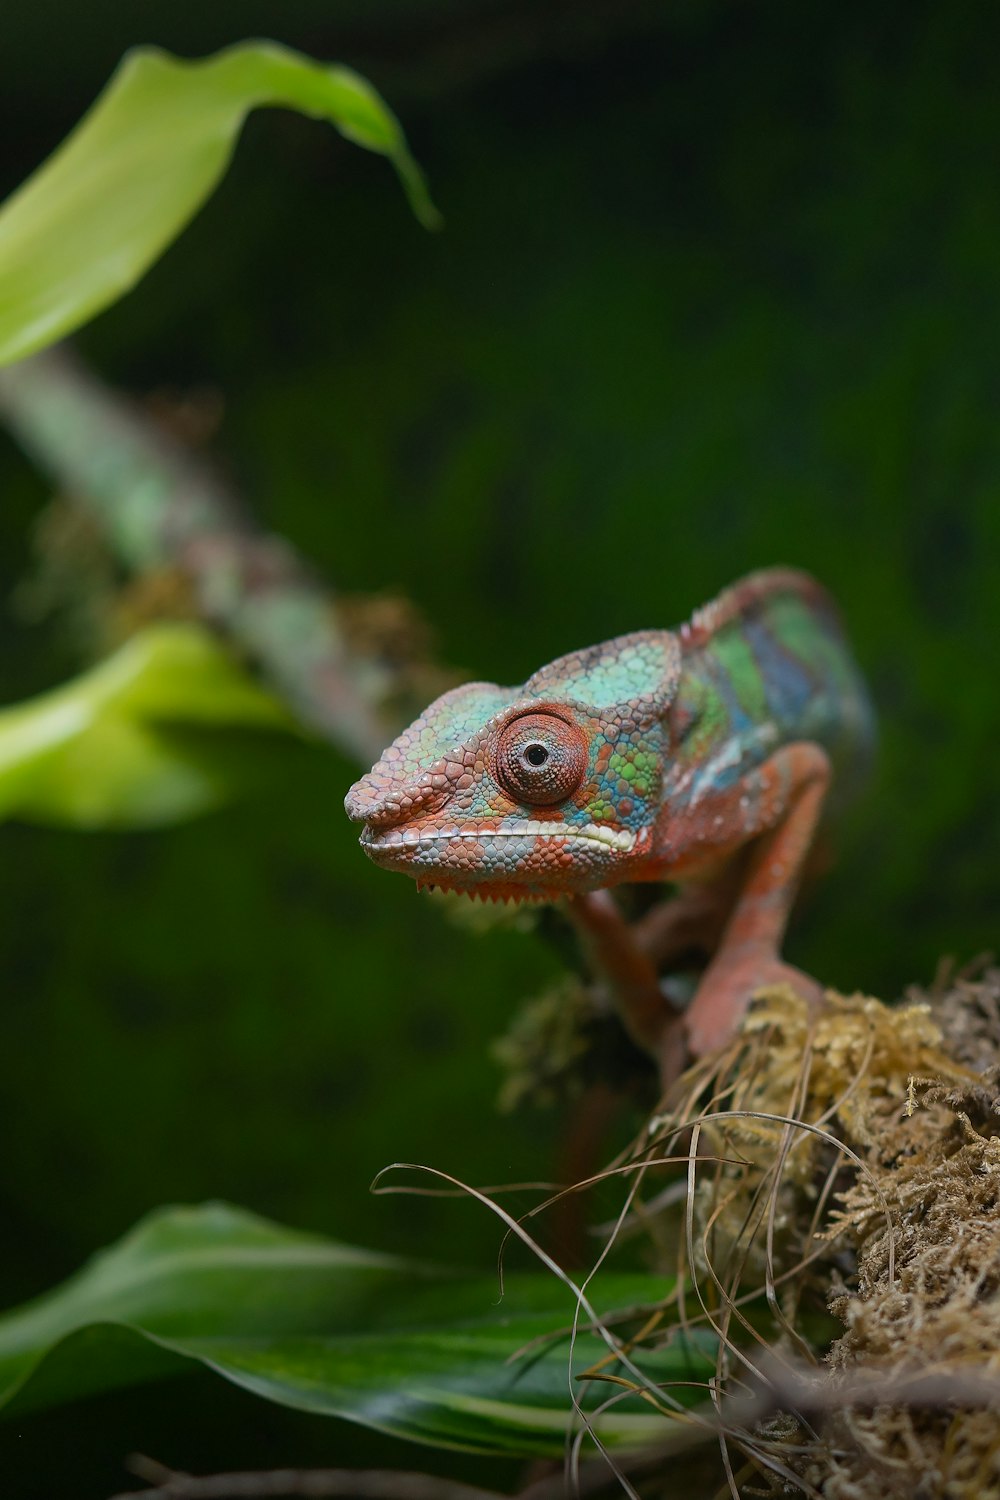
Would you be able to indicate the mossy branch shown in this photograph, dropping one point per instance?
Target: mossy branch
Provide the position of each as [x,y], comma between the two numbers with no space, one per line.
[160,506]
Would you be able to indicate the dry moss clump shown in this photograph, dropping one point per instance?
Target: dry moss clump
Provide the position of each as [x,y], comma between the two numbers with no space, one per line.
[925,1313]
[854,1156]
[797,1107]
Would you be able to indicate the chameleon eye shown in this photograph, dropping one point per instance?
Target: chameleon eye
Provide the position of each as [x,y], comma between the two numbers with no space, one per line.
[540,759]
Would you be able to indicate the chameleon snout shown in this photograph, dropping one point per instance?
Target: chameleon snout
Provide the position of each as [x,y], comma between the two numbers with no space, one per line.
[370,802]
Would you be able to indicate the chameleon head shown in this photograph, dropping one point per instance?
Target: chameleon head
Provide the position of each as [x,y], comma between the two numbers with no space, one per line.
[529,792]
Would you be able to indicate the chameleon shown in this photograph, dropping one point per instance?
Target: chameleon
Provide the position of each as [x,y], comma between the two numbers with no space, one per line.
[701,756]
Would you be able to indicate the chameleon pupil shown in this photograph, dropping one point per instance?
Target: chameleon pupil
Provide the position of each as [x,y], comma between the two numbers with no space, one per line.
[536,755]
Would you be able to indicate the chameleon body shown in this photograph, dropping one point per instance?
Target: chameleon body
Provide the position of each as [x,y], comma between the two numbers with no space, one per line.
[700,756]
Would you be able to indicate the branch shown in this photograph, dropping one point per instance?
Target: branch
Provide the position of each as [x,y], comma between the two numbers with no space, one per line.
[159,506]
[306,1484]
[797,1389]
[593,1477]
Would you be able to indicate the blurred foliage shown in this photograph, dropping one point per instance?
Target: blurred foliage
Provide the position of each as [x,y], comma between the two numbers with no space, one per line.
[85,227]
[718,295]
[167,728]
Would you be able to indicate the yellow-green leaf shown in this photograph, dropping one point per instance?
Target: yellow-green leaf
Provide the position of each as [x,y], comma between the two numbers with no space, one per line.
[88,224]
[167,727]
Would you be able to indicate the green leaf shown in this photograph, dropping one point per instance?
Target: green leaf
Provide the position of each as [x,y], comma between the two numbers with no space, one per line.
[437,1358]
[91,221]
[167,727]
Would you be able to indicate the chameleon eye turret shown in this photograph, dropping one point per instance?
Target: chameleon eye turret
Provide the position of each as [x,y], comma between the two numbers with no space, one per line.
[541,758]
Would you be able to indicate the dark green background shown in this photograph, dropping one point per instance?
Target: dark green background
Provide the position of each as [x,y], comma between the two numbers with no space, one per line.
[719,287]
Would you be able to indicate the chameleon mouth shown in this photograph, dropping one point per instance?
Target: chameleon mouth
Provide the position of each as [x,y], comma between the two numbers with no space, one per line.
[621,840]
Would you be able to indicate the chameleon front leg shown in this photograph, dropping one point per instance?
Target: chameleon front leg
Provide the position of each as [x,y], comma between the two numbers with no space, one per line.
[630,957]
[613,951]
[782,801]
[692,920]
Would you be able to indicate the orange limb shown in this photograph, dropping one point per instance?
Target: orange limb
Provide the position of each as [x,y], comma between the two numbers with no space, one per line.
[689,924]
[787,793]
[613,951]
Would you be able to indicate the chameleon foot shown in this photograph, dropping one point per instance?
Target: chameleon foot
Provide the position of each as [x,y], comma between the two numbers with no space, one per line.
[724,994]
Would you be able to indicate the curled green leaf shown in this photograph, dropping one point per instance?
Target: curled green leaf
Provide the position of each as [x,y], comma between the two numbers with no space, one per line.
[90,222]
[167,727]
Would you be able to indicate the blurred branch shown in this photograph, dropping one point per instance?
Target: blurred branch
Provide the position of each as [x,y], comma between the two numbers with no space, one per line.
[309,1484]
[160,506]
[798,1389]
[592,1478]
[302,1484]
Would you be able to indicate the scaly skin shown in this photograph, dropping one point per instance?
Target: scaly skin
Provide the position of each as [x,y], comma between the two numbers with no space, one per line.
[697,755]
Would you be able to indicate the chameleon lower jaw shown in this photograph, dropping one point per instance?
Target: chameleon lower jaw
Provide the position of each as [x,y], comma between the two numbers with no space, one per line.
[531,861]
